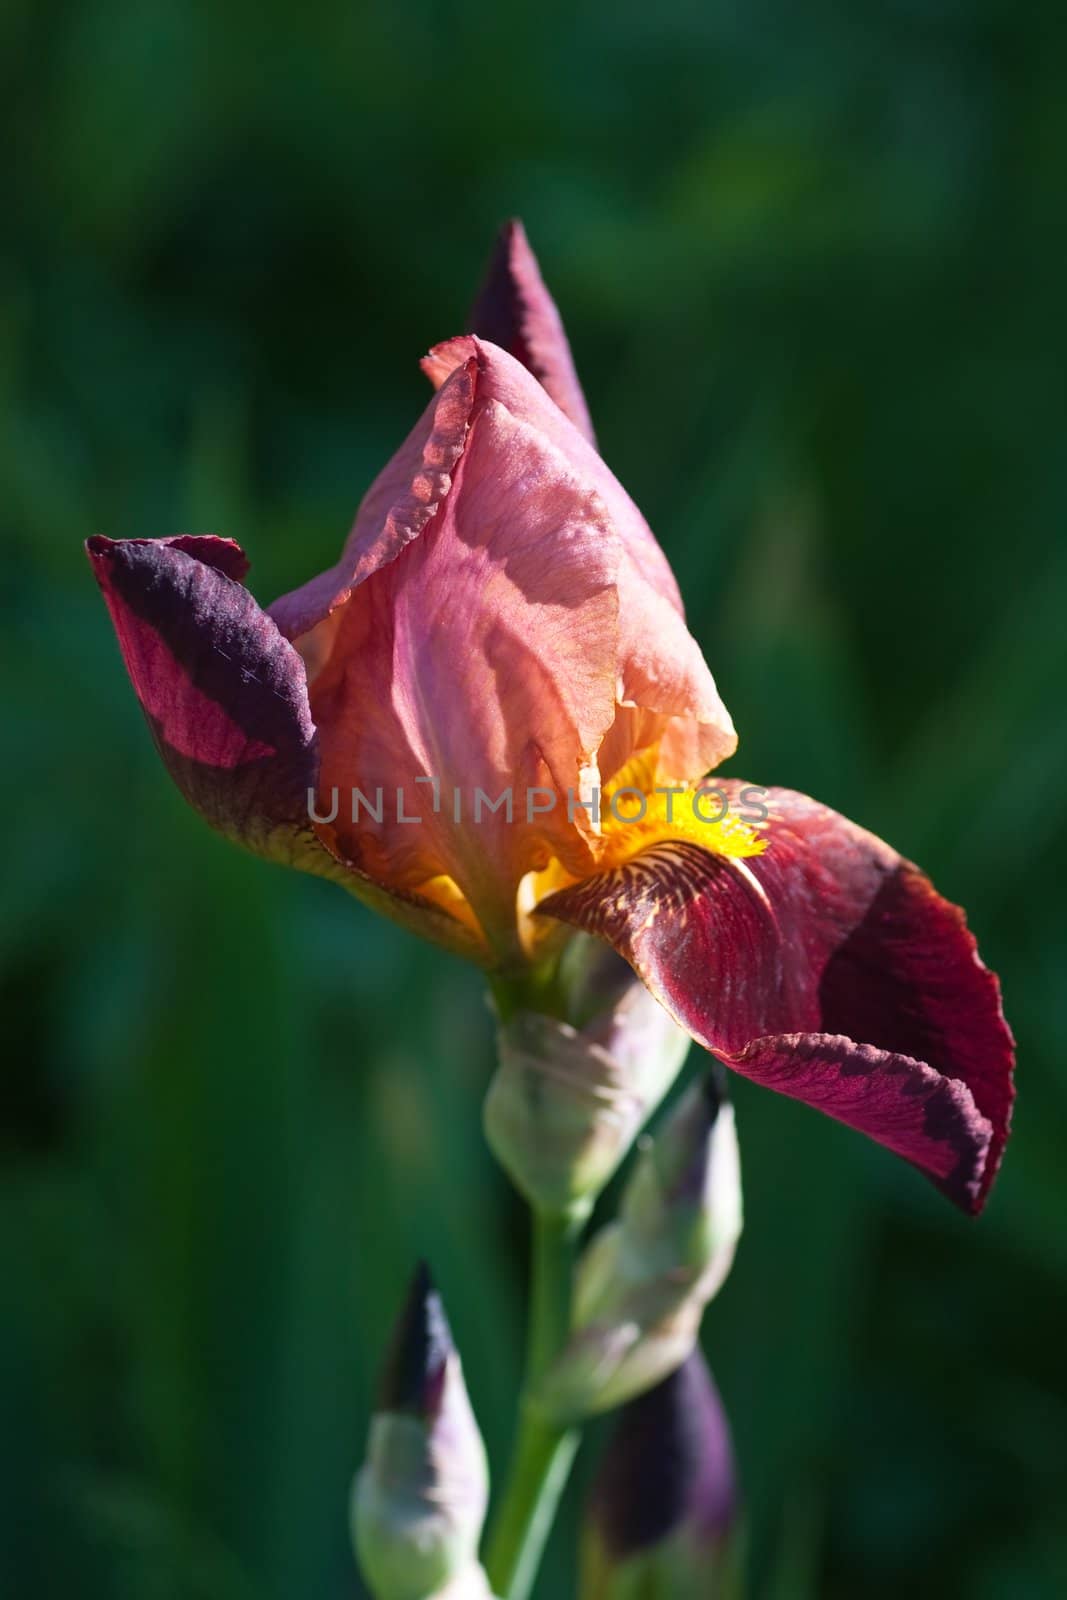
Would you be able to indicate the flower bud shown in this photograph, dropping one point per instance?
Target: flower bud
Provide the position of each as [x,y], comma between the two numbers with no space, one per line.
[472,1584]
[643,1282]
[663,1507]
[419,1501]
[567,1102]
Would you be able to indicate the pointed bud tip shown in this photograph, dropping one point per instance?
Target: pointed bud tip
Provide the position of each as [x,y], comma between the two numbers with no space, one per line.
[501,305]
[510,245]
[513,309]
[413,1376]
[716,1089]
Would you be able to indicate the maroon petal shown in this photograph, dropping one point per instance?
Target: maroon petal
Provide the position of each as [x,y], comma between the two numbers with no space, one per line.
[930,1120]
[224,694]
[515,311]
[830,969]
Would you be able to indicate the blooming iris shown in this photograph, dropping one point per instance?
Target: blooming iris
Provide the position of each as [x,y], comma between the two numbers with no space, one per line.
[489,721]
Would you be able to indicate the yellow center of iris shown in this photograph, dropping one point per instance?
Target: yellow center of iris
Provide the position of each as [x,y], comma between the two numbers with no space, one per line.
[635,813]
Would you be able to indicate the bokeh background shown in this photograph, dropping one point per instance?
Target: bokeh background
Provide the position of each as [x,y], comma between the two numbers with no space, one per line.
[812,262]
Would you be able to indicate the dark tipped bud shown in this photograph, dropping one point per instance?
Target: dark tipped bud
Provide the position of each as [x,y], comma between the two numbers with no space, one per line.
[643,1282]
[716,1088]
[663,1507]
[419,1501]
[413,1374]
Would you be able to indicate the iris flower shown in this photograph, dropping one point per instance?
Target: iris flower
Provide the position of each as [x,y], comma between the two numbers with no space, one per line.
[489,721]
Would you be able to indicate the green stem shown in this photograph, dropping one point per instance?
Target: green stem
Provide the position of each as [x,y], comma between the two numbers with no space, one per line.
[543,1452]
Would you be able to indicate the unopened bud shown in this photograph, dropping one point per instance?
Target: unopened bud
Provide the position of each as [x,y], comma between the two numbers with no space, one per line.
[419,1501]
[662,1511]
[643,1282]
[567,1102]
[472,1584]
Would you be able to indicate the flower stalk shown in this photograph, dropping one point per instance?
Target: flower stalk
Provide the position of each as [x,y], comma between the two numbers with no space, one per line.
[544,1451]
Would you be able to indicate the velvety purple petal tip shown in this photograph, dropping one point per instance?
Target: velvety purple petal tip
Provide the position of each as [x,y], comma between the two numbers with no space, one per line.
[515,311]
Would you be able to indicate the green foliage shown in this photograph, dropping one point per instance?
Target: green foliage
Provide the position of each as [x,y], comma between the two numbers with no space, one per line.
[811,258]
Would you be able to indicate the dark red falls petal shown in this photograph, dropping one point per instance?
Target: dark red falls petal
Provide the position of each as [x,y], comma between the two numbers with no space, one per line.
[830,969]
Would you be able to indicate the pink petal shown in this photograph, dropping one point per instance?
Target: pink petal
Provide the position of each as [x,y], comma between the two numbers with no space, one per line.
[665,690]
[485,657]
[503,621]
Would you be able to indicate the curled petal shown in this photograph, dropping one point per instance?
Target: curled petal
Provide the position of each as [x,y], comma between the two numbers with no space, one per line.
[930,1120]
[224,694]
[829,968]
[515,311]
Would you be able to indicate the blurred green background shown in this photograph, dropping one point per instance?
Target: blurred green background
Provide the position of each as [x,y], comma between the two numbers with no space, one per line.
[812,262]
